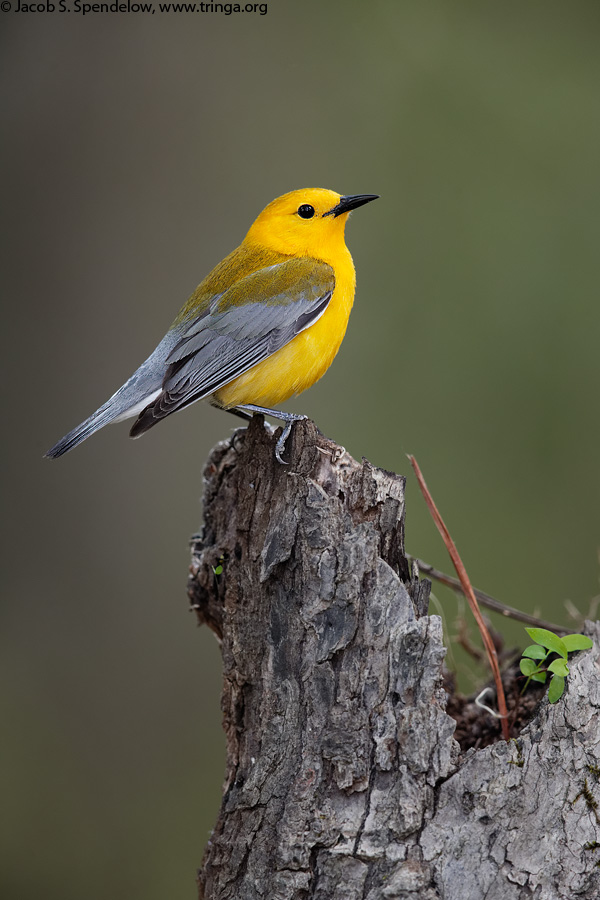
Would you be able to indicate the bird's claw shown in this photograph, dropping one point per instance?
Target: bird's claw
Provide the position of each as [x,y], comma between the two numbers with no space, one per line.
[280,445]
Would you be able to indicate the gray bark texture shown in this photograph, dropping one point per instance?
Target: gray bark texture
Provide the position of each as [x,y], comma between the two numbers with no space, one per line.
[343,779]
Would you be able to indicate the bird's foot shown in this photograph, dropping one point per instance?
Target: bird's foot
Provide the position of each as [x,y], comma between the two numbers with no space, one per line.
[280,445]
[287,418]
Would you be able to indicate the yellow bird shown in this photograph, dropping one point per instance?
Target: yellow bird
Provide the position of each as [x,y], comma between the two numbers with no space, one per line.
[265,324]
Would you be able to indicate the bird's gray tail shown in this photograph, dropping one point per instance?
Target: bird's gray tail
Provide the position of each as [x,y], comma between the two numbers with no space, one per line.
[128,401]
[96,421]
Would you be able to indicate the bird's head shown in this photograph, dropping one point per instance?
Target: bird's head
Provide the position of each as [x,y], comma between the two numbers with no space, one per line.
[309,222]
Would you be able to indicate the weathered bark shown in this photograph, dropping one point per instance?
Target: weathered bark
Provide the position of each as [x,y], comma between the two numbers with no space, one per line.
[343,780]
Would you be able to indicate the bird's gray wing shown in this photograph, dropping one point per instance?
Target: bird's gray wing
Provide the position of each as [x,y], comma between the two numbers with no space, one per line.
[239,328]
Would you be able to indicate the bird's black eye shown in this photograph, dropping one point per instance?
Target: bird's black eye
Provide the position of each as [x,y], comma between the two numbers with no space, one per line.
[306,211]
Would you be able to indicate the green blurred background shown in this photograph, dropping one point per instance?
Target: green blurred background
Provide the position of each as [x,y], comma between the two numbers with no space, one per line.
[136,152]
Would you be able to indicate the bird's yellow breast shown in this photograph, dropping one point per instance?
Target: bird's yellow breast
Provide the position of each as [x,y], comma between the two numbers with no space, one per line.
[301,363]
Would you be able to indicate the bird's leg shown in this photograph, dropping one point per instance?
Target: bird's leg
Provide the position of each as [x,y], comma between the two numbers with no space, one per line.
[288,418]
[236,412]
[243,415]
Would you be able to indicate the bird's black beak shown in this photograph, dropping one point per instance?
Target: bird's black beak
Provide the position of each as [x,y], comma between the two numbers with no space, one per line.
[351,202]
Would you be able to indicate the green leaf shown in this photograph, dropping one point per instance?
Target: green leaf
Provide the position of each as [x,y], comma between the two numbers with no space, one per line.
[558,667]
[534,651]
[539,676]
[548,639]
[527,666]
[576,642]
[556,689]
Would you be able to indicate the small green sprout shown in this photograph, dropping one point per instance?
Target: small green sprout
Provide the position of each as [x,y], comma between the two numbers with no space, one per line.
[535,665]
[218,569]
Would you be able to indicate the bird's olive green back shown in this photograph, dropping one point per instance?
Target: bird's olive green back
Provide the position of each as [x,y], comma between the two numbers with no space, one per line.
[241,262]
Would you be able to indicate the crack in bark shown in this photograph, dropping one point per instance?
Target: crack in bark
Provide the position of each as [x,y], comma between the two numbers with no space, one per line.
[367,809]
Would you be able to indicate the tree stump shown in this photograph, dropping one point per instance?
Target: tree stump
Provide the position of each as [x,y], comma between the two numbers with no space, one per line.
[343,780]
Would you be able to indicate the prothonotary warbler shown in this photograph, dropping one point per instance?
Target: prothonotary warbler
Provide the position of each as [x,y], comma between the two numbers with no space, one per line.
[266,323]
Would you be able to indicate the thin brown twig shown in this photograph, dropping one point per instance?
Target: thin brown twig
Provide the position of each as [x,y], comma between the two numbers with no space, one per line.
[485,599]
[469,594]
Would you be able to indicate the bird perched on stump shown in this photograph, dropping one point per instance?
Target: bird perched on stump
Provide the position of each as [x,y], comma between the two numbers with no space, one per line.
[265,324]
